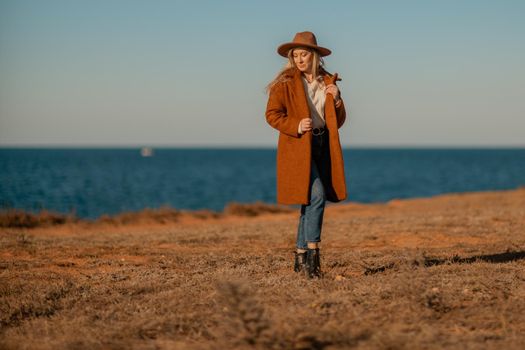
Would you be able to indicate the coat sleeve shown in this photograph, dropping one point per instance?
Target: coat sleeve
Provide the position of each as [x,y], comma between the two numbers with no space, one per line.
[276,114]
[340,113]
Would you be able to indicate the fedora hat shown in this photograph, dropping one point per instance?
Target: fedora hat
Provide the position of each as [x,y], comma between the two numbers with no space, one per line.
[302,39]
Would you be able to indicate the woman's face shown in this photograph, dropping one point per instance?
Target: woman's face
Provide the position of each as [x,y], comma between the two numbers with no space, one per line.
[303,60]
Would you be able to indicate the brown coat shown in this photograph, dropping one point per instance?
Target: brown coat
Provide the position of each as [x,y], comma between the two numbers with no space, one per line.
[287,105]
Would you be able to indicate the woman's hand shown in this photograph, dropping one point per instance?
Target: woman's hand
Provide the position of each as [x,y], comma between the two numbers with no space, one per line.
[305,125]
[334,90]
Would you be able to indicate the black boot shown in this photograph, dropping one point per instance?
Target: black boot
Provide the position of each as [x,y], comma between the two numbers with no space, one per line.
[313,263]
[300,262]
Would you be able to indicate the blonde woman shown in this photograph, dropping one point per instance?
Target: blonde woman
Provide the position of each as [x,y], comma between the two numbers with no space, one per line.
[305,106]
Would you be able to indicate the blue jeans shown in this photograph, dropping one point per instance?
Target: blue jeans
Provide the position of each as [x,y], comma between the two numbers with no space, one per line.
[311,219]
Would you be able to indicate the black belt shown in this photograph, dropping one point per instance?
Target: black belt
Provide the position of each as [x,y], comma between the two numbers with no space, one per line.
[318,131]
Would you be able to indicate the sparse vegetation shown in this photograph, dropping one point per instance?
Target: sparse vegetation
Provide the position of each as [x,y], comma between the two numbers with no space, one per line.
[443,272]
[16,218]
[255,209]
[22,219]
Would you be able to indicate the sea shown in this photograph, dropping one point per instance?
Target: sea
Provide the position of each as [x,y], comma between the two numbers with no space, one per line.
[90,182]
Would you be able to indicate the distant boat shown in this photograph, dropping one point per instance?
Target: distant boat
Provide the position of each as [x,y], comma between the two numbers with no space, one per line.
[146,151]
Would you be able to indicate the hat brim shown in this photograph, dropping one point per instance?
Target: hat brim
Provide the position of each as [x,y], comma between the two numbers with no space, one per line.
[284,48]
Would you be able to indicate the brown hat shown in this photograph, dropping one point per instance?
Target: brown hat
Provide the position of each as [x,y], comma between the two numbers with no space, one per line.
[304,39]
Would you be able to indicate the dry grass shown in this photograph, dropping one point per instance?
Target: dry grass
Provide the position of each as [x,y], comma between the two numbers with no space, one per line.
[255,209]
[432,273]
[15,218]
[22,219]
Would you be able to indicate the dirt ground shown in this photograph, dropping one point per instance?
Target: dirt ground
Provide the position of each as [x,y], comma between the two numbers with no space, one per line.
[426,273]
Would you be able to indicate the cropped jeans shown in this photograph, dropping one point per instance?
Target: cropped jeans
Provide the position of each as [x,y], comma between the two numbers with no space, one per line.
[311,218]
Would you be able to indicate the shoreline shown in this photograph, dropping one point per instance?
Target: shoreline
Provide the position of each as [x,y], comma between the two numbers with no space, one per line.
[22,219]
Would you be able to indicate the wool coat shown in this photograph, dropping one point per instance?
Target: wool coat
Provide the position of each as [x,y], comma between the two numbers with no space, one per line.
[287,106]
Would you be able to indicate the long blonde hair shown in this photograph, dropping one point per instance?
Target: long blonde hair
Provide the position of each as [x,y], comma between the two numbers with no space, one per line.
[287,71]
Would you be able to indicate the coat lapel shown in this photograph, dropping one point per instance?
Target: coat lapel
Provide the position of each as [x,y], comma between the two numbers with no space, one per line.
[300,95]
[329,107]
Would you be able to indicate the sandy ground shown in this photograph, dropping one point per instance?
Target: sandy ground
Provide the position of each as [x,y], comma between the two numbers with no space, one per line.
[446,271]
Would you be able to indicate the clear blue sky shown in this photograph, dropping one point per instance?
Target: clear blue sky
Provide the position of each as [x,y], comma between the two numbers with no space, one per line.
[186,73]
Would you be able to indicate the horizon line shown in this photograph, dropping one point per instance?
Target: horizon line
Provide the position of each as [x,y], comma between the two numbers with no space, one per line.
[235,146]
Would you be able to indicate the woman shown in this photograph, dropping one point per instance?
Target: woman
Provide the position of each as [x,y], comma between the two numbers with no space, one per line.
[305,106]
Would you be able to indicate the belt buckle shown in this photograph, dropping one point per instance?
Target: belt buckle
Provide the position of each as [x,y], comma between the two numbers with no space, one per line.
[318,131]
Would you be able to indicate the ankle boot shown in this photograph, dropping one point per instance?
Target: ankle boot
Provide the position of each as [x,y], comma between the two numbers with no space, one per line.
[313,263]
[300,262]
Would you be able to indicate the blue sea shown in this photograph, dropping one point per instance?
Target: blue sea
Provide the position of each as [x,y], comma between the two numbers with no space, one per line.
[92,182]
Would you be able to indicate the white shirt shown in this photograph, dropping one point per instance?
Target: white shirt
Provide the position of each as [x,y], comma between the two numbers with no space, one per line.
[315,96]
